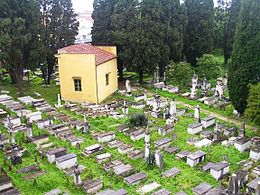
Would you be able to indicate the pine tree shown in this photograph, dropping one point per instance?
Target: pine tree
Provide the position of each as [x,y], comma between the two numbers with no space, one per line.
[230,28]
[245,60]
[20,44]
[199,30]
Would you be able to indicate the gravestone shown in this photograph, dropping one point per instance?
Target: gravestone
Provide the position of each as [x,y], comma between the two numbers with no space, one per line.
[128,87]
[197,113]
[233,185]
[12,137]
[77,179]
[173,110]
[159,159]
[29,131]
[242,131]
[58,105]
[194,80]
[219,91]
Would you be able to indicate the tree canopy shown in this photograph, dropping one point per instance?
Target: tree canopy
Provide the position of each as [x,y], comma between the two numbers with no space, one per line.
[245,59]
[20,43]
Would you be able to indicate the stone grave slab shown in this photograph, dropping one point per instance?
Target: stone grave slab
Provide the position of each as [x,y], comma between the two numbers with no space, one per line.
[34,175]
[56,191]
[202,188]
[148,188]
[162,192]
[135,178]
[203,143]
[171,172]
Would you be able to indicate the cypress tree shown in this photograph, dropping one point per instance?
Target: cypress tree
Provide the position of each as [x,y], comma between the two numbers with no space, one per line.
[245,59]
[102,27]
[199,30]
[230,28]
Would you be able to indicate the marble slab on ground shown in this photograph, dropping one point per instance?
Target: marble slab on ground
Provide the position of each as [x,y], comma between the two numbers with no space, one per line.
[34,175]
[171,172]
[148,188]
[203,143]
[162,192]
[202,188]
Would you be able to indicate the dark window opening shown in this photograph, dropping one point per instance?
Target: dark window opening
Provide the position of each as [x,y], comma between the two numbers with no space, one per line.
[77,84]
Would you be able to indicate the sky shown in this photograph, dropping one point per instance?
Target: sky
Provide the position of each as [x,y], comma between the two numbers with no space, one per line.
[82,5]
[86,5]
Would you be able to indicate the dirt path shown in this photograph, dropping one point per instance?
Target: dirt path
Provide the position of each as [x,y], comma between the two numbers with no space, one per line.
[226,119]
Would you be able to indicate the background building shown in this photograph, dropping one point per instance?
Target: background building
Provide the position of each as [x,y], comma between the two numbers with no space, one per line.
[85,25]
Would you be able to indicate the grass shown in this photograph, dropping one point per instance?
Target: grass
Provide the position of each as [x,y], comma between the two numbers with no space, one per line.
[54,178]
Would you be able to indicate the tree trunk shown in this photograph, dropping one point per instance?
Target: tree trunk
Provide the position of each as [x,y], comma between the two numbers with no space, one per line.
[161,71]
[12,75]
[141,76]
[120,71]
[19,79]
[51,63]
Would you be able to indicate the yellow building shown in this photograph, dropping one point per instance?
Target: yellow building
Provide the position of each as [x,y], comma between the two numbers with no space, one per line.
[87,73]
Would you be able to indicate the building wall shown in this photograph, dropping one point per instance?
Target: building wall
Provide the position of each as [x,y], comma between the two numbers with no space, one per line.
[77,65]
[105,90]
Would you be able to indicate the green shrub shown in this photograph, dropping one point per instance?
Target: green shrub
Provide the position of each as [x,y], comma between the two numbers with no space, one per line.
[138,120]
[229,110]
[252,111]
[179,73]
[210,66]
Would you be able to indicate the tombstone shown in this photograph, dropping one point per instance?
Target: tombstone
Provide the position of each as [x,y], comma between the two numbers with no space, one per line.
[77,179]
[194,80]
[156,75]
[173,110]
[219,91]
[86,127]
[233,185]
[29,131]
[12,137]
[197,113]
[164,78]
[128,86]
[225,80]
[147,151]
[242,131]
[59,105]
[125,108]
[166,113]
[15,159]
[204,87]
[159,159]
[216,135]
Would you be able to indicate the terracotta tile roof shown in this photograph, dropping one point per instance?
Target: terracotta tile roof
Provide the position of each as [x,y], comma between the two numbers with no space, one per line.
[101,56]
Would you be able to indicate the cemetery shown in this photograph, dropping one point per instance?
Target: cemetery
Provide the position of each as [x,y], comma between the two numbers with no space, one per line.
[103,154]
[113,97]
